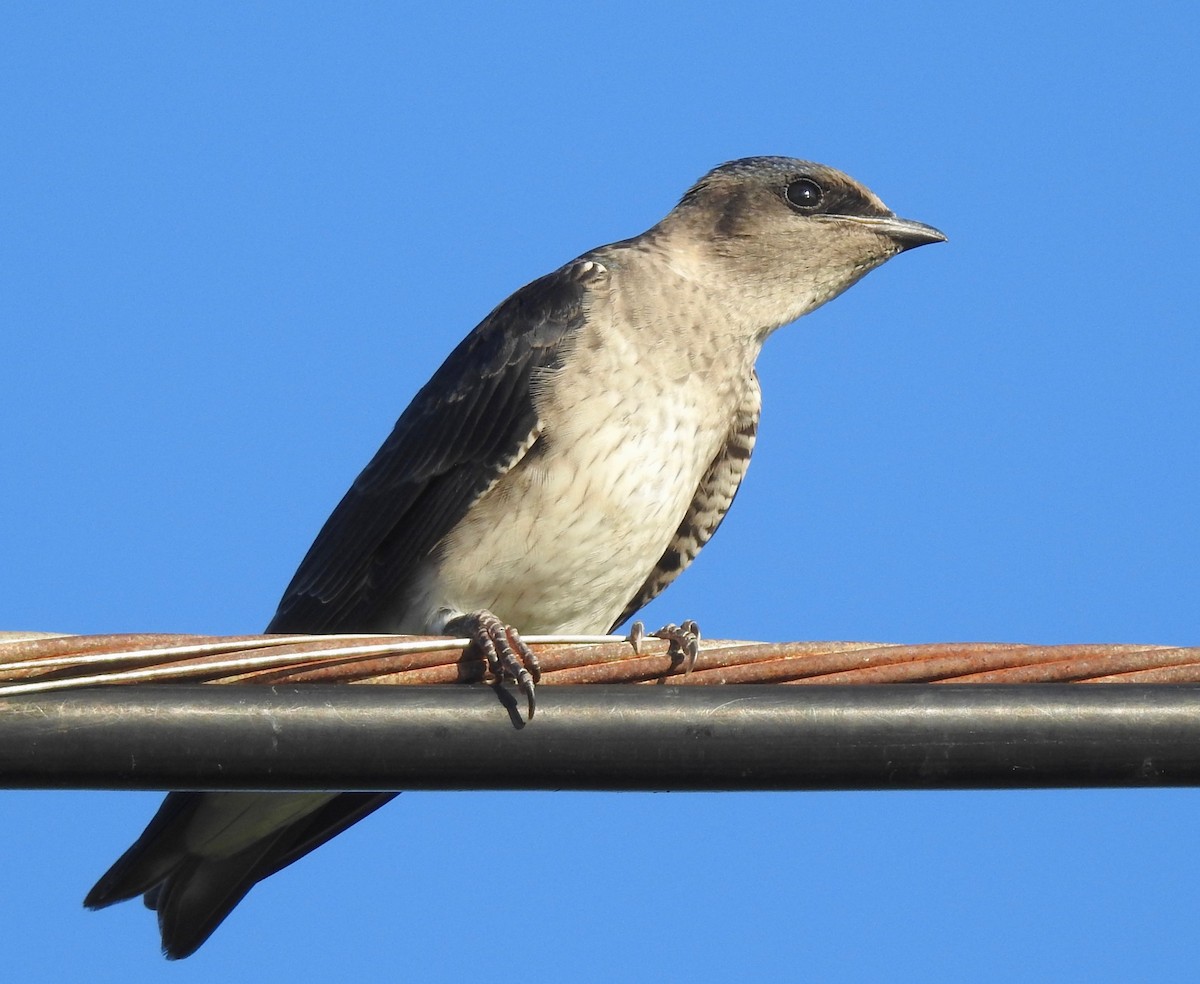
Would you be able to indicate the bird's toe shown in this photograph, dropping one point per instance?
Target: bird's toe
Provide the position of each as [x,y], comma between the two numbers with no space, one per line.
[683,641]
[506,654]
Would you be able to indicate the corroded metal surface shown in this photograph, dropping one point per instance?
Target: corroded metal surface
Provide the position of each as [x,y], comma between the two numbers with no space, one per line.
[33,662]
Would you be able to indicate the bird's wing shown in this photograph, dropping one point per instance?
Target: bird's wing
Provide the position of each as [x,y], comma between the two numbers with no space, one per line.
[472,422]
[713,498]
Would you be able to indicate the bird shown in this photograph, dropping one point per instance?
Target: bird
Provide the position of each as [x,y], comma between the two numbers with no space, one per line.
[567,461]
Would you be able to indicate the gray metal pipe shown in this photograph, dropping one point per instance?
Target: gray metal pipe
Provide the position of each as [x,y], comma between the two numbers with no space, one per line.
[602,737]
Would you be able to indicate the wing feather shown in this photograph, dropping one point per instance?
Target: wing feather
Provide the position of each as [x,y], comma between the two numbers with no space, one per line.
[467,426]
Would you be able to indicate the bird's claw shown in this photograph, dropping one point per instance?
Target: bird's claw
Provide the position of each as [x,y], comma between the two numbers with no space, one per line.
[683,641]
[507,656]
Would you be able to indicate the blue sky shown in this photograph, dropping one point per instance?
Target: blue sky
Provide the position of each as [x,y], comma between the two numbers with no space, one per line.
[234,241]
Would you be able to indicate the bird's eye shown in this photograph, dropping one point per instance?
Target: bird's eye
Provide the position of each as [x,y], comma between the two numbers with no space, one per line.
[804,193]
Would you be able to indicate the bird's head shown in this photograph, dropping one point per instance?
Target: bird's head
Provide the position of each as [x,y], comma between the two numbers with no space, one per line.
[785,236]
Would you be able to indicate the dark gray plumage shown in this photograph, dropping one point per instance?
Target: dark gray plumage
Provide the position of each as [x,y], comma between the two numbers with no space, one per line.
[563,466]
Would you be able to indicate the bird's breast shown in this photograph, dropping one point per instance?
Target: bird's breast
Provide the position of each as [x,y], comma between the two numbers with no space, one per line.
[629,424]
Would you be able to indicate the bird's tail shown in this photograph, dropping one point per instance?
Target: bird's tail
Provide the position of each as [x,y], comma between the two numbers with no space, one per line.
[193,892]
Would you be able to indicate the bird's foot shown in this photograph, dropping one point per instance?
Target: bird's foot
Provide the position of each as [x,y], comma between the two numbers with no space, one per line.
[683,640]
[503,648]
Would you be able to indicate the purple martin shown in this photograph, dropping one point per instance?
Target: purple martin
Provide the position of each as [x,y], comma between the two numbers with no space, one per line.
[563,466]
